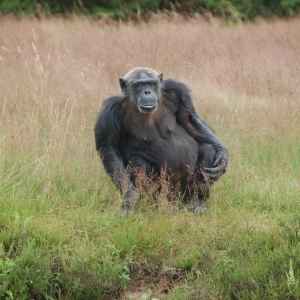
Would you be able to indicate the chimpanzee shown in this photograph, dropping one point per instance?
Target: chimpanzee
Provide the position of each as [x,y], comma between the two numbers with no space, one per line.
[153,125]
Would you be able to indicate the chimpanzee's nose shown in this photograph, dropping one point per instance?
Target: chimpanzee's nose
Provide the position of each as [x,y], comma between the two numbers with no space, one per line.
[147,92]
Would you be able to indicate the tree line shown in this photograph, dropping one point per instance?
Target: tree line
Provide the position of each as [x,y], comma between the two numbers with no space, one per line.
[126,9]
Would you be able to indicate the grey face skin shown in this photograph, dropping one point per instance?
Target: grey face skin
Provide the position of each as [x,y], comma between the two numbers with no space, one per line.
[142,86]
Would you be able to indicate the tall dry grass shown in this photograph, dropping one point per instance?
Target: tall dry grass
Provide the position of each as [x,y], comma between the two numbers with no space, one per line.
[54,75]
[63,69]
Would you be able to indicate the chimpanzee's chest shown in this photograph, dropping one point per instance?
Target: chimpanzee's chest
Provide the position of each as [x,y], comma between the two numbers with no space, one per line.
[147,132]
[161,141]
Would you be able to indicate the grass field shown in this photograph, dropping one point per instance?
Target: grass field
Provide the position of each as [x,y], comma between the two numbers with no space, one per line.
[60,236]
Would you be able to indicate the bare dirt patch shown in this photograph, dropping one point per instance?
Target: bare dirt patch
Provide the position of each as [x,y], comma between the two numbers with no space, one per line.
[153,283]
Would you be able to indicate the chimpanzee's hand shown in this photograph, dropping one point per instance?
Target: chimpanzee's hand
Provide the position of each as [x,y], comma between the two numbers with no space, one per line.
[128,204]
[220,166]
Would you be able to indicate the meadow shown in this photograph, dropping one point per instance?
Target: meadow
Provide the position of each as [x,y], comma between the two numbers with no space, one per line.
[60,235]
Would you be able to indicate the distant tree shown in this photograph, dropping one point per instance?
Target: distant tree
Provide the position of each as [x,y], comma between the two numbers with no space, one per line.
[227,9]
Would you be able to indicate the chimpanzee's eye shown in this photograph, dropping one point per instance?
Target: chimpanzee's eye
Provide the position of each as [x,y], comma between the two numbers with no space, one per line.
[152,84]
[139,85]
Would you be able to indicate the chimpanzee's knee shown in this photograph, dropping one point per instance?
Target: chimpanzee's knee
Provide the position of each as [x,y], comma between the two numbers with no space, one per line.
[136,165]
[206,156]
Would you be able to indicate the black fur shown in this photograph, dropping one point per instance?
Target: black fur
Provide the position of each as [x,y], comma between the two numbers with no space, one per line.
[173,137]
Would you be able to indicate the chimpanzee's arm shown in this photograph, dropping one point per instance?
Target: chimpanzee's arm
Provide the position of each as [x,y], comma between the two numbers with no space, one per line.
[195,126]
[107,133]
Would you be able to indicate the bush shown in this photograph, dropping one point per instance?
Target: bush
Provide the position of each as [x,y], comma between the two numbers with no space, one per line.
[227,9]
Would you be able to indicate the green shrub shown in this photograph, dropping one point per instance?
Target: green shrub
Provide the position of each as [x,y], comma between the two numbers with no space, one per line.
[231,10]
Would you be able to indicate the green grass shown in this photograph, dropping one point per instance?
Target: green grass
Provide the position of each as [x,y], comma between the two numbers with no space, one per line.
[60,234]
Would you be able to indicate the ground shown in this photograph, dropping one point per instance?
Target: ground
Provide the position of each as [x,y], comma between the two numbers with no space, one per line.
[61,236]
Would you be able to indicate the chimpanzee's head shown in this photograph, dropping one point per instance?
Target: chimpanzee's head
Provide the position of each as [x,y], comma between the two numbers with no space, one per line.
[143,88]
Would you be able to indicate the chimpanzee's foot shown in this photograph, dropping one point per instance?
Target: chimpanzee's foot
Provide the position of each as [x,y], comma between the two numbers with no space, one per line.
[199,206]
[125,212]
[126,209]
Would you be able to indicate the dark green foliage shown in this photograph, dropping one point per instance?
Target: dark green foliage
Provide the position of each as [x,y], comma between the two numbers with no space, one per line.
[227,9]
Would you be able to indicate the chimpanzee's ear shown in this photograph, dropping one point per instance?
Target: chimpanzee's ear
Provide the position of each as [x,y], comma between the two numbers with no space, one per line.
[122,82]
[160,76]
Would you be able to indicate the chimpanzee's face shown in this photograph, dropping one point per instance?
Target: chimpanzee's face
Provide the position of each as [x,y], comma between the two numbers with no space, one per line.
[143,89]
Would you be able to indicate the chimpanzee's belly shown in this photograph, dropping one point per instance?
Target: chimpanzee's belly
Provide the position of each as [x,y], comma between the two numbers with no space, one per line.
[173,149]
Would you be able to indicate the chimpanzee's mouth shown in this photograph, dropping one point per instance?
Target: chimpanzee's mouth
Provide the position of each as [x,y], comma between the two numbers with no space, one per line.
[147,109]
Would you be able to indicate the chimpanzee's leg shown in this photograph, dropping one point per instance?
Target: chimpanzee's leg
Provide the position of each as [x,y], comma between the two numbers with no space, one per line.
[206,158]
[137,165]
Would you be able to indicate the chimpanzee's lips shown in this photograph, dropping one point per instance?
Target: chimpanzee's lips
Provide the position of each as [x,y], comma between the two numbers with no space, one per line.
[148,108]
